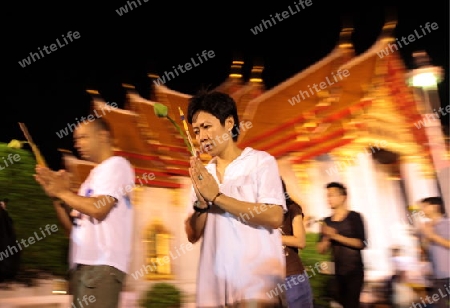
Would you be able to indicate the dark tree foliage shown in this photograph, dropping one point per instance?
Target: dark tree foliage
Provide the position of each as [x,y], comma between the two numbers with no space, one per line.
[30,210]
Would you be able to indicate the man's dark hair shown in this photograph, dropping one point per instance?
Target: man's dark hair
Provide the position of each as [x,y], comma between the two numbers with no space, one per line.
[341,187]
[435,201]
[218,104]
[101,125]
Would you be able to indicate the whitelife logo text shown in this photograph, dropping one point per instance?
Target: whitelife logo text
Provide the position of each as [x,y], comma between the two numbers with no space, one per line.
[46,50]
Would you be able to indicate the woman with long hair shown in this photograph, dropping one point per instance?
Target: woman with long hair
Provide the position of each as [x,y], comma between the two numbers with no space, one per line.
[298,288]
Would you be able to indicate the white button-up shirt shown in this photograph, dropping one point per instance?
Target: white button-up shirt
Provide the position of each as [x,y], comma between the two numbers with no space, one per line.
[239,261]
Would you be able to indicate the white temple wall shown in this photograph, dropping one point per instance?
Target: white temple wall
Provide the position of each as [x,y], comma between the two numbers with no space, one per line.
[417,185]
[169,206]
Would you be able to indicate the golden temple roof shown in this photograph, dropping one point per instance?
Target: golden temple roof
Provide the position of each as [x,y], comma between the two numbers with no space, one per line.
[340,105]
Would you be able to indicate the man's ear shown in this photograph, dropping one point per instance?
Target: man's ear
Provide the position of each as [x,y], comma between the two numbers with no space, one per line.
[104,136]
[229,123]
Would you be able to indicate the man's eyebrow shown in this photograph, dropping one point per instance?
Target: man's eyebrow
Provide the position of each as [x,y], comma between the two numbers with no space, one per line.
[201,125]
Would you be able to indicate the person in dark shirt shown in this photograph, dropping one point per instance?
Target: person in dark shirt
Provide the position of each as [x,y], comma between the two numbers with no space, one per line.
[298,289]
[3,203]
[344,233]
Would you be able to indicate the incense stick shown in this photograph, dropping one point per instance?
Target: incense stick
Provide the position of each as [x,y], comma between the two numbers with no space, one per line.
[186,129]
[39,158]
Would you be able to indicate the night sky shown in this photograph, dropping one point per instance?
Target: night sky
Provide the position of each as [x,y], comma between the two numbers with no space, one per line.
[111,49]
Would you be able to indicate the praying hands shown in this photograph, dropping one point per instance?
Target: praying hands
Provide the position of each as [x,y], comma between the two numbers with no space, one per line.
[54,183]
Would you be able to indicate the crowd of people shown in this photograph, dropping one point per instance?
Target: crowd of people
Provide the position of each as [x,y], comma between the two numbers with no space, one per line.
[241,260]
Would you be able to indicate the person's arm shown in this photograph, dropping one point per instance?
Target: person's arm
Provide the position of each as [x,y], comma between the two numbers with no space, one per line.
[196,226]
[112,182]
[298,237]
[107,187]
[423,241]
[270,203]
[358,241]
[433,237]
[190,232]
[323,245]
[348,241]
[268,215]
[196,222]
[97,207]
[63,216]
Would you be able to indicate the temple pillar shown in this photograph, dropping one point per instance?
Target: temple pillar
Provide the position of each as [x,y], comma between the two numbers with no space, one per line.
[315,193]
[418,184]
[379,200]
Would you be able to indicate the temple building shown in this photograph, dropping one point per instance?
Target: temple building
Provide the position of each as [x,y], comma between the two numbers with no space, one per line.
[346,118]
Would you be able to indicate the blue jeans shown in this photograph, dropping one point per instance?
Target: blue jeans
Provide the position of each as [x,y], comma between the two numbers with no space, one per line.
[298,291]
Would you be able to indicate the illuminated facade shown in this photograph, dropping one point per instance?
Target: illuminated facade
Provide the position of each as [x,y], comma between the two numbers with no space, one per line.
[338,120]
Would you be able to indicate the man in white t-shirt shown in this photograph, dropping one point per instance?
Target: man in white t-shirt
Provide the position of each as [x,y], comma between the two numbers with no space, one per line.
[101,232]
[237,206]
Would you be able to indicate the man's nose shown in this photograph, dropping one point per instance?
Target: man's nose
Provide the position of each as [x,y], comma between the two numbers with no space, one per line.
[203,136]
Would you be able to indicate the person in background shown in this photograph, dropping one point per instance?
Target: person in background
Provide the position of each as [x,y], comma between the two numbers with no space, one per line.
[344,233]
[403,294]
[401,264]
[436,240]
[3,203]
[298,292]
[101,232]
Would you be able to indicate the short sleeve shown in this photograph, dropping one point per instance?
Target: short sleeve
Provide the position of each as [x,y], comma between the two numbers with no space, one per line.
[296,210]
[359,228]
[189,207]
[270,189]
[115,179]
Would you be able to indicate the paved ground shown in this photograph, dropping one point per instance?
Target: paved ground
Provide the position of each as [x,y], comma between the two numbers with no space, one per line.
[52,301]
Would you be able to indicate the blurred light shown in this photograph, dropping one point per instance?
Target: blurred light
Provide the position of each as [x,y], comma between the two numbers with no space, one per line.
[302,138]
[310,124]
[93,92]
[236,68]
[424,80]
[425,75]
[60,286]
[256,74]
[414,207]
[256,80]
[345,45]
[127,86]
[235,75]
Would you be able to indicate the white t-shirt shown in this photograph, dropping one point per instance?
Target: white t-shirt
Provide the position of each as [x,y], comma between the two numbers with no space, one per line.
[239,261]
[106,242]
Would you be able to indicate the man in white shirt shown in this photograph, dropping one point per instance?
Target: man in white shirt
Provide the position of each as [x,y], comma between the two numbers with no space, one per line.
[101,233]
[237,207]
